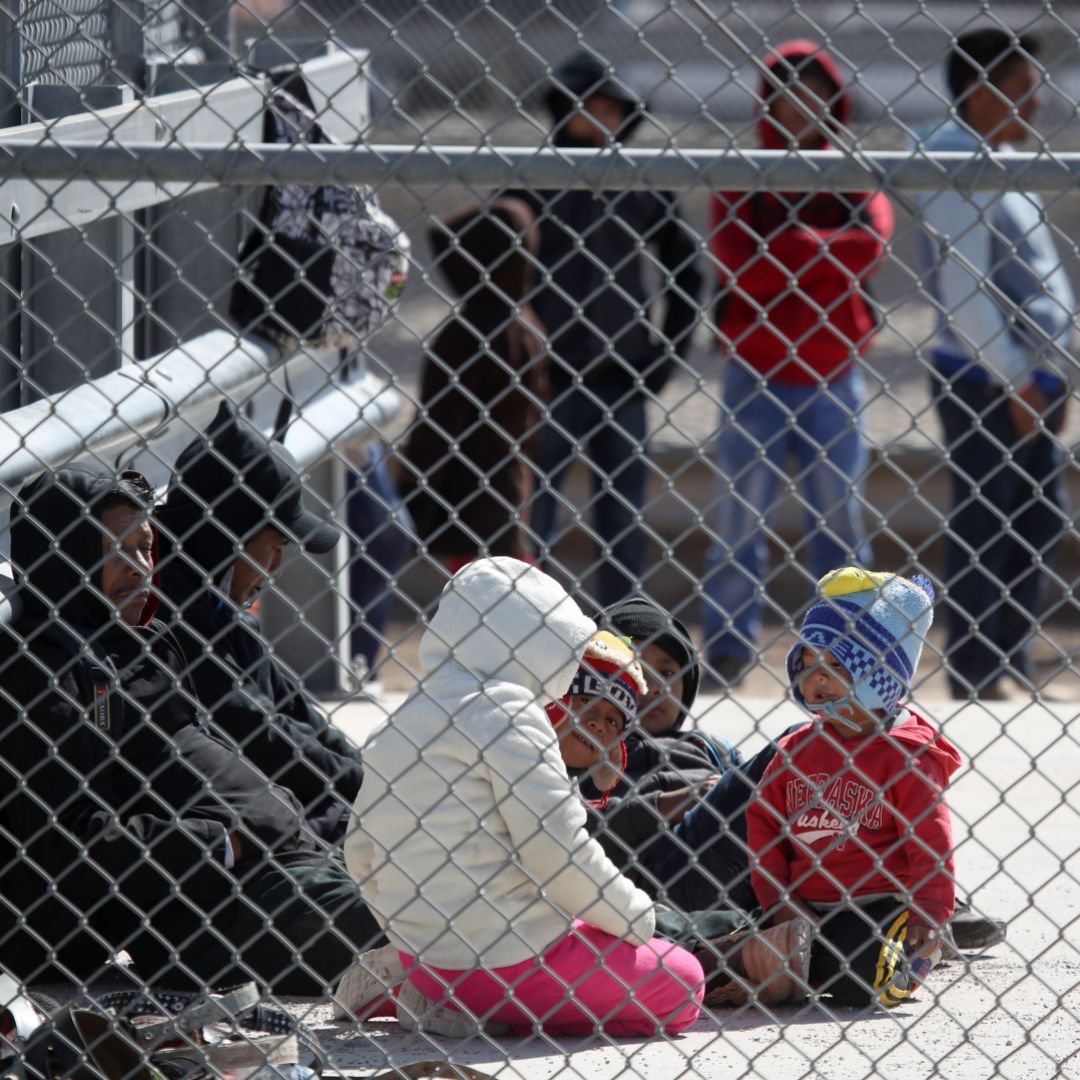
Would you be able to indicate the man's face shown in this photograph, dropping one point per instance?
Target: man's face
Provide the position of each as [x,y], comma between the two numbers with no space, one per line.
[127,549]
[1002,109]
[598,122]
[800,111]
[260,561]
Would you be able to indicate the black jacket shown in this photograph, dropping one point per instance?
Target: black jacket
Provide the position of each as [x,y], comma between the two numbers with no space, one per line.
[611,224]
[109,778]
[249,696]
[465,468]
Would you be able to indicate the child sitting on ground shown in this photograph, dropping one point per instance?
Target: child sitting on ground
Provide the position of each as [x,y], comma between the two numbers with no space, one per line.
[669,659]
[669,770]
[849,830]
[469,841]
[685,779]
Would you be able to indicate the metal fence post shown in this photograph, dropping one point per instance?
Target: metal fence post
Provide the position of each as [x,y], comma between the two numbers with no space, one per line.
[10,257]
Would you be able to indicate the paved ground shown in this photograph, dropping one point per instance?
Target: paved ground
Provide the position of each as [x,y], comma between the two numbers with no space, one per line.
[1014,1012]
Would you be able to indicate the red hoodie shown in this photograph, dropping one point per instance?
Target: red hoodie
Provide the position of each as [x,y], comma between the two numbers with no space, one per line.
[792,264]
[826,829]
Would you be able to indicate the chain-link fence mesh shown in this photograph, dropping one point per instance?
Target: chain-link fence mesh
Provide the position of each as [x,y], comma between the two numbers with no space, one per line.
[723,359]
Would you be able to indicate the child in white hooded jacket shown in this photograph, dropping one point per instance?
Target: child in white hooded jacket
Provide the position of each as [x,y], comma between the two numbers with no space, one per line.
[469,841]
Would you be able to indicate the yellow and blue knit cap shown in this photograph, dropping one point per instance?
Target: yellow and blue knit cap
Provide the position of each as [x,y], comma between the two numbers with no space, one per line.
[875,624]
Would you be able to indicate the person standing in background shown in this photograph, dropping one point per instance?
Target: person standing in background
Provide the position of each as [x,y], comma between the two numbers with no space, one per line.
[466,470]
[794,316]
[1000,371]
[597,250]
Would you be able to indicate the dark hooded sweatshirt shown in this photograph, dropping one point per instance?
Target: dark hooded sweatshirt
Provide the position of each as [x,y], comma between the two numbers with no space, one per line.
[465,467]
[250,698]
[607,340]
[674,758]
[109,777]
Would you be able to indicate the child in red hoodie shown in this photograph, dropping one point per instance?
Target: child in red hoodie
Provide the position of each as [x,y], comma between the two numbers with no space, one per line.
[849,829]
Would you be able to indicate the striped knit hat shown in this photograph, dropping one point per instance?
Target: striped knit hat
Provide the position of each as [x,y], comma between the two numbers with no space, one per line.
[609,670]
[875,625]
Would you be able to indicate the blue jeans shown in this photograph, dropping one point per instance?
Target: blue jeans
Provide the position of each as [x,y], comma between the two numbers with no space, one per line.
[374,514]
[762,428]
[613,448]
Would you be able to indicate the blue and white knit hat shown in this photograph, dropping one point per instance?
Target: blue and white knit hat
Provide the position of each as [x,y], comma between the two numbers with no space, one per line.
[875,625]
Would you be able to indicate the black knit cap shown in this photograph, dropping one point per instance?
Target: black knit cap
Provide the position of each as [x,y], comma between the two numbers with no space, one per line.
[230,483]
[645,623]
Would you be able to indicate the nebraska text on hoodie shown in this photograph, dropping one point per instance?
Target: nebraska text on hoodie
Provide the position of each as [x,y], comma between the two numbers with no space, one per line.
[469,841]
[829,829]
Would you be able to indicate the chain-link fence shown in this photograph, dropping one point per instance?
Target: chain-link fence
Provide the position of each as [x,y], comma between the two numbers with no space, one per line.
[539,537]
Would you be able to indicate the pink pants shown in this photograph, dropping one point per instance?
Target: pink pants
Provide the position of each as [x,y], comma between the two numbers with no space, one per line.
[588,980]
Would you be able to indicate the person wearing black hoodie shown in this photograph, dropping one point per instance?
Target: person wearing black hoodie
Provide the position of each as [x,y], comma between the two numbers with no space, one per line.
[128,825]
[606,358]
[233,505]
[673,673]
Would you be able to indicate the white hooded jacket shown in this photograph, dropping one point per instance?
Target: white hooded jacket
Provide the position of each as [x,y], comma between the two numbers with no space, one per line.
[468,839]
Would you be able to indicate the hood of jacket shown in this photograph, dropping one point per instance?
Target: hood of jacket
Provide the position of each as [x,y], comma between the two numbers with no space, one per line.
[795,56]
[503,620]
[64,507]
[227,485]
[492,242]
[922,737]
[580,78]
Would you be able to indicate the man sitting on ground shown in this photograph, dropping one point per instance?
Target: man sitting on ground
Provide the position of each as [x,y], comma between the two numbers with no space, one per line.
[129,825]
[232,509]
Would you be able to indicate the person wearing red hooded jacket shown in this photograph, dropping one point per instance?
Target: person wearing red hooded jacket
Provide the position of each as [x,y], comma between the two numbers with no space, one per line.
[794,316]
[849,829]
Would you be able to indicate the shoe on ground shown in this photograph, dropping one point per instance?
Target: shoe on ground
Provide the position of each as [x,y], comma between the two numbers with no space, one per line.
[723,673]
[370,980]
[418,1013]
[991,691]
[969,930]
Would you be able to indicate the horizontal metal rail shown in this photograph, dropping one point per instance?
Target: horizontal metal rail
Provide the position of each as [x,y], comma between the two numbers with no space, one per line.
[28,162]
[107,415]
[227,113]
[159,405]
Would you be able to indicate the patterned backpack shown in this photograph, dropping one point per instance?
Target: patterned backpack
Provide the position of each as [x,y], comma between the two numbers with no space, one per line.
[325,264]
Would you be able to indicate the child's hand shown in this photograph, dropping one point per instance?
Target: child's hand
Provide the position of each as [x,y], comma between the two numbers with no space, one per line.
[706,785]
[921,938]
[675,805]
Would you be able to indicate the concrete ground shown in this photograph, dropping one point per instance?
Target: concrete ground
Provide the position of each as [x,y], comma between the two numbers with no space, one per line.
[1013,1011]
